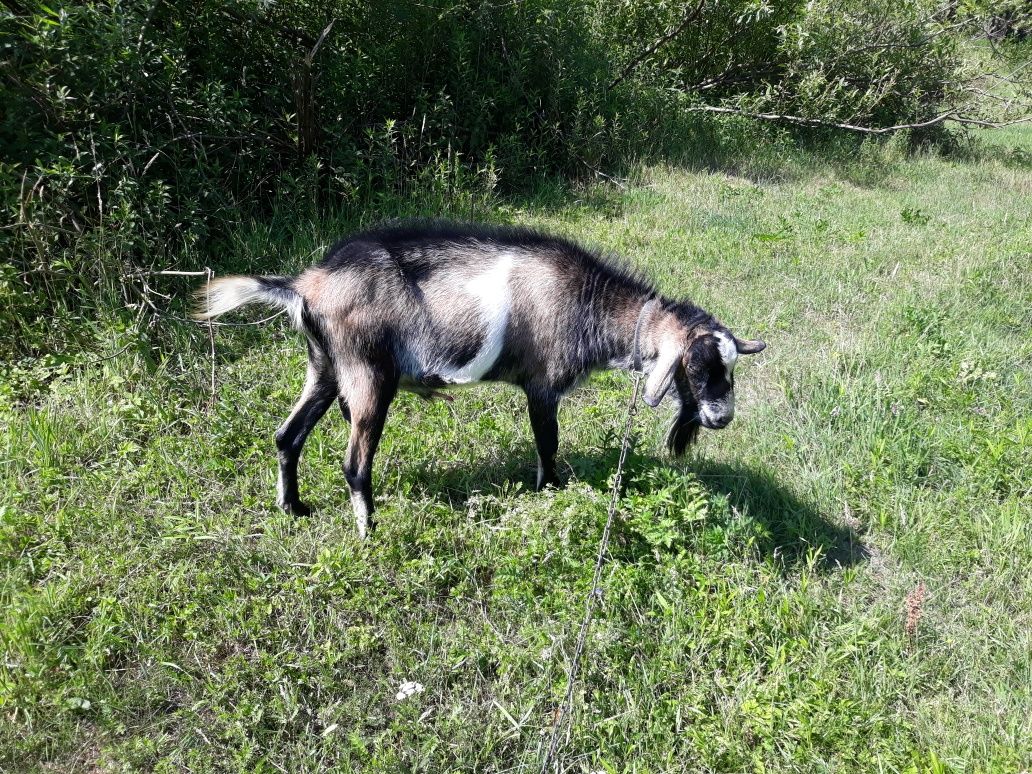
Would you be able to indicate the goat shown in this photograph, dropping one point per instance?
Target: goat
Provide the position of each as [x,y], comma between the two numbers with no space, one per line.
[426,305]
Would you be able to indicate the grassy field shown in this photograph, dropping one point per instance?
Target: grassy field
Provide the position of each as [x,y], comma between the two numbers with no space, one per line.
[839,581]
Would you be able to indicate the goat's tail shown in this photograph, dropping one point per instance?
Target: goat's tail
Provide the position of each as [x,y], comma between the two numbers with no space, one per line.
[226,293]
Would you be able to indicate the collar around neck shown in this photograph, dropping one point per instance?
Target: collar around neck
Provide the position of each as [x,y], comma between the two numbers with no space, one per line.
[636,343]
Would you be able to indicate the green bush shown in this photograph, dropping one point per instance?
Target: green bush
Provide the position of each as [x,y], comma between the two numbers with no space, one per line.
[867,62]
[134,133]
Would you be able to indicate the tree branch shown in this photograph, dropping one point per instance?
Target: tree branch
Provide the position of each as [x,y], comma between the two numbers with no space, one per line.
[310,56]
[633,65]
[949,115]
[895,44]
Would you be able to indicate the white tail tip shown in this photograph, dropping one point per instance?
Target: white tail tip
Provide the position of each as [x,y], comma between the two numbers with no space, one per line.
[223,295]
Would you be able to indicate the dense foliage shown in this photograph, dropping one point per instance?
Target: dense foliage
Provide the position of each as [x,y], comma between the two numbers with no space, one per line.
[133,133]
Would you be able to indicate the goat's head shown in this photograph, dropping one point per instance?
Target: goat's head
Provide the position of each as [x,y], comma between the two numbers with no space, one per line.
[698,358]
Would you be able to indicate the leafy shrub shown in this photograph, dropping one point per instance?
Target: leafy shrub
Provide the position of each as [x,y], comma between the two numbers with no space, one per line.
[663,506]
[875,63]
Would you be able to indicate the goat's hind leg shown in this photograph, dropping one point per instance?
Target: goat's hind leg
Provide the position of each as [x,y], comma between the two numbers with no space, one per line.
[316,397]
[369,392]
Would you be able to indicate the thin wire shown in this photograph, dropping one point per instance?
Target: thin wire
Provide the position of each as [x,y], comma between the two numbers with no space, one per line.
[596,591]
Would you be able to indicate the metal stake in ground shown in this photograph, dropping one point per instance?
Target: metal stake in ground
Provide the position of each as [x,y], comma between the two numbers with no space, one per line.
[596,591]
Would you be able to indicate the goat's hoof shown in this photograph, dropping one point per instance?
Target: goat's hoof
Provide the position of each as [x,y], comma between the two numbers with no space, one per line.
[296,508]
[365,528]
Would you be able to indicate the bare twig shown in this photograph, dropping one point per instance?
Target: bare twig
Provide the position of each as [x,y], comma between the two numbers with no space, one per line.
[109,357]
[691,16]
[149,289]
[21,197]
[211,335]
[96,177]
[304,98]
[318,43]
[145,297]
[148,164]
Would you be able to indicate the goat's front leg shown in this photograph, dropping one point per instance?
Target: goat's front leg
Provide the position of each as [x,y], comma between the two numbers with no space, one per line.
[369,395]
[543,407]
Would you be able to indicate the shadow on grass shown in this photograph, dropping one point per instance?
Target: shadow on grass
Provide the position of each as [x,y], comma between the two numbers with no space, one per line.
[777,523]
[790,527]
[456,483]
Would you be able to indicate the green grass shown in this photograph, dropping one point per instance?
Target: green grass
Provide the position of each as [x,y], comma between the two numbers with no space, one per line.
[158,613]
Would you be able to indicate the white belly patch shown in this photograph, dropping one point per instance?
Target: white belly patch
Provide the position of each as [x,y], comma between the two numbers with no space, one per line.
[490,291]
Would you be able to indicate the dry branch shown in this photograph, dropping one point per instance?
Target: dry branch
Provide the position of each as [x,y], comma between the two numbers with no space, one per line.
[949,115]
[211,338]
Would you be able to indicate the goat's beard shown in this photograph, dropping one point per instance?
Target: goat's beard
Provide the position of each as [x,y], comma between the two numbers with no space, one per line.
[685,428]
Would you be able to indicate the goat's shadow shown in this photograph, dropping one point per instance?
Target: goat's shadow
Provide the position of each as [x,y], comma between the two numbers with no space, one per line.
[790,529]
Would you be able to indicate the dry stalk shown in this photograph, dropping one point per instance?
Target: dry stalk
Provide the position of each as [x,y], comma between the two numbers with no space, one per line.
[913,607]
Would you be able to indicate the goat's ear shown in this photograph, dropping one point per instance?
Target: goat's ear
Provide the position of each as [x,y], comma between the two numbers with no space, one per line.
[662,375]
[750,347]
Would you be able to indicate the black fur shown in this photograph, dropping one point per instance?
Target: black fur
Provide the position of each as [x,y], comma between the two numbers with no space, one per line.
[278,287]
[684,430]
[411,245]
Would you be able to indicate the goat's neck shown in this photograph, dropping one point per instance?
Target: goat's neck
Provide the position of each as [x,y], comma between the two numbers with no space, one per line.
[623,321]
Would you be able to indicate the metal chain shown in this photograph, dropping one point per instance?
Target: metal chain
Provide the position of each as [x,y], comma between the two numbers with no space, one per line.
[596,591]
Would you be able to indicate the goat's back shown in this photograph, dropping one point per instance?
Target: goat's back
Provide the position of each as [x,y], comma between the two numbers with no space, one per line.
[458,303]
